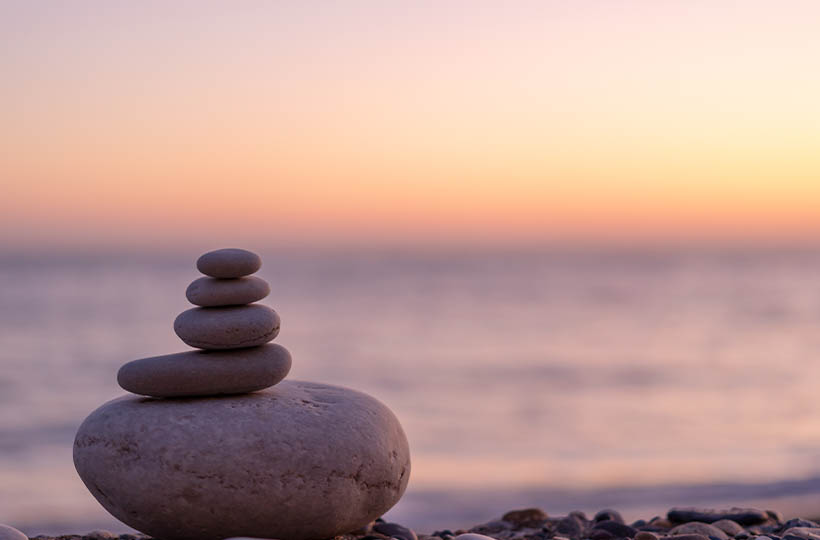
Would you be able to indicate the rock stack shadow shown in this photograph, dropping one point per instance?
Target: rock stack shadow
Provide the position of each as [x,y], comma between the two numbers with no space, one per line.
[216,444]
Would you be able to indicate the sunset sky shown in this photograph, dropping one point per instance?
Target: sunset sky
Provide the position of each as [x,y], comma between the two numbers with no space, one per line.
[408,123]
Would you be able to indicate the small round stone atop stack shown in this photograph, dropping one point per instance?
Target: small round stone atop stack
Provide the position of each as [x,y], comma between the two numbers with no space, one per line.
[226,321]
[232,331]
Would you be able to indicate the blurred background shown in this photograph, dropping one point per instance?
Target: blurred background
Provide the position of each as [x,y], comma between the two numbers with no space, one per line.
[573,245]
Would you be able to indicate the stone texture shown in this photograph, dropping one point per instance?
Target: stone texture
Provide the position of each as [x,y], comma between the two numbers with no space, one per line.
[473,536]
[608,515]
[297,461]
[797,522]
[394,530]
[528,517]
[10,533]
[743,516]
[229,263]
[601,534]
[660,523]
[728,526]
[571,527]
[686,537]
[206,373]
[646,535]
[227,327]
[697,527]
[212,292]
[808,533]
[775,515]
[617,529]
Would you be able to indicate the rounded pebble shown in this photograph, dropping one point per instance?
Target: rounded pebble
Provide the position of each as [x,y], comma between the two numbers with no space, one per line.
[473,536]
[212,292]
[697,527]
[686,537]
[10,533]
[229,263]
[645,535]
[570,526]
[525,517]
[206,373]
[227,327]
[728,526]
[808,533]
[216,468]
[608,515]
[617,529]
[600,534]
[394,530]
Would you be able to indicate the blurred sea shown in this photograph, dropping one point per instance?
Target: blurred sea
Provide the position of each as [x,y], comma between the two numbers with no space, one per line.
[566,380]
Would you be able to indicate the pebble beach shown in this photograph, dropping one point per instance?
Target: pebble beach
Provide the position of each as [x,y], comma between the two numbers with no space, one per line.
[535,524]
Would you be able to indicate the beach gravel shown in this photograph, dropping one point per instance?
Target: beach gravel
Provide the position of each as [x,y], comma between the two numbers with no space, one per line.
[534,524]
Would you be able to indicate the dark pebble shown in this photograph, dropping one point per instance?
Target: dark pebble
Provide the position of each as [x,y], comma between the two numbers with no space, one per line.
[570,527]
[601,534]
[444,534]
[395,530]
[608,515]
[742,535]
[686,537]
[616,529]
[793,537]
[528,517]
[797,522]
[580,515]
[638,524]
[490,528]
[744,516]
[698,527]
[775,515]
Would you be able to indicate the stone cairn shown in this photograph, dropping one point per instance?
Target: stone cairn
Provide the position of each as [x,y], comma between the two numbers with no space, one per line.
[218,445]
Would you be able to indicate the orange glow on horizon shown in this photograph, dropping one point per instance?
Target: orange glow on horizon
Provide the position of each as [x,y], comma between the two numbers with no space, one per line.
[526,125]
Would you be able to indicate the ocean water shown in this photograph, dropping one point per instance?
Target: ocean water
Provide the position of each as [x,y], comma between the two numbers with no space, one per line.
[564,380]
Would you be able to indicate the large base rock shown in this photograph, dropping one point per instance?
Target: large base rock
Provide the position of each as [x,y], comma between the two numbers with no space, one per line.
[297,461]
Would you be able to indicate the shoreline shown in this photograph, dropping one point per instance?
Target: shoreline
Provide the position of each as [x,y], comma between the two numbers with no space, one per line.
[678,523]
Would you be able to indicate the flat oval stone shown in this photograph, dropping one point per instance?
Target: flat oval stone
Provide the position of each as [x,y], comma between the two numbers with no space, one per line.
[298,461]
[10,533]
[206,373]
[229,263]
[212,292]
[227,327]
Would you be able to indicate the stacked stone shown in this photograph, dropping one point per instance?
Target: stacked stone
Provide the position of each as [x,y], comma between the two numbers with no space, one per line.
[230,329]
[222,455]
